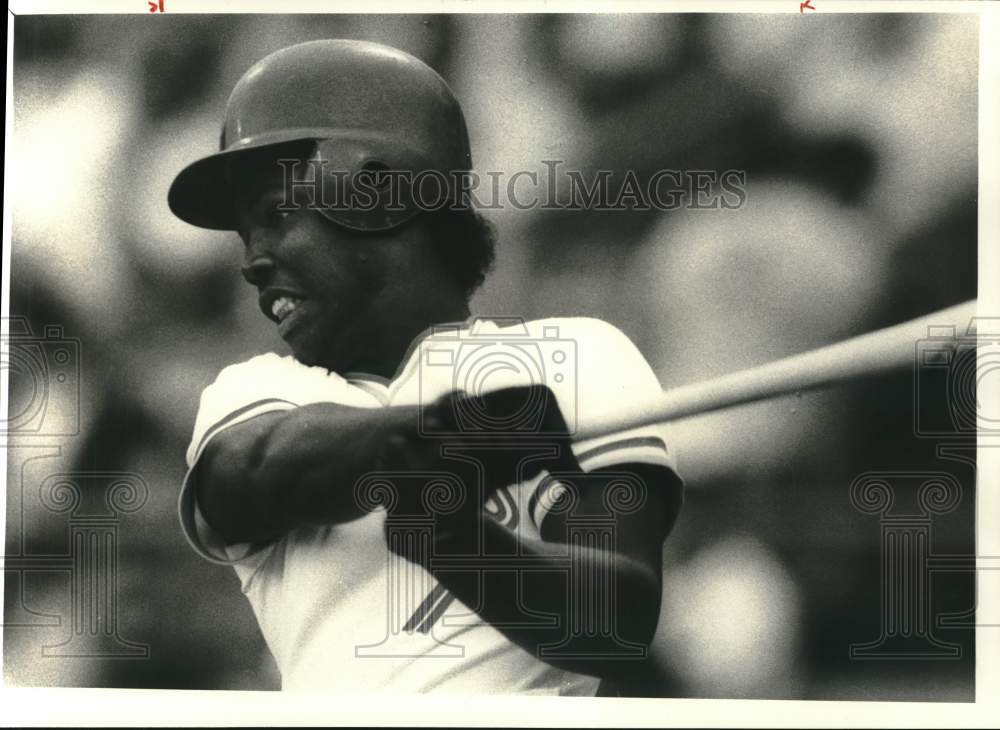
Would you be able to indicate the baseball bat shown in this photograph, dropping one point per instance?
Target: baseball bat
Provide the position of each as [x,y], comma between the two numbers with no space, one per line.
[881,351]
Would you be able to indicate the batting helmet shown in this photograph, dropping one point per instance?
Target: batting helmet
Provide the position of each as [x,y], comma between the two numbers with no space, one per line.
[366,107]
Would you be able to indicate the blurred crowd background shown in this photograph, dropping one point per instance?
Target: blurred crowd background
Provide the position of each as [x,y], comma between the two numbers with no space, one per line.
[858,137]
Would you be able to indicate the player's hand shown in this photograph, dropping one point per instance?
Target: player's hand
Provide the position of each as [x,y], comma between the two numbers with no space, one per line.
[514,432]
[483,442]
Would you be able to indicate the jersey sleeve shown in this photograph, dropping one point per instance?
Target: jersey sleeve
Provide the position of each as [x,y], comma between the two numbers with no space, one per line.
[263,384]
[611,375]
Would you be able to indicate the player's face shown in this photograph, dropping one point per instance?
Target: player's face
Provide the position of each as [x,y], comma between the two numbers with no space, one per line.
[339,298]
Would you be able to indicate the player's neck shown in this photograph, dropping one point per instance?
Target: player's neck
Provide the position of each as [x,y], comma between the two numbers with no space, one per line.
[386,358]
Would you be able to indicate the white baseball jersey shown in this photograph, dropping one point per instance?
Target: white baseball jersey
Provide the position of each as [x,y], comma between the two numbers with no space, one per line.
[340,611]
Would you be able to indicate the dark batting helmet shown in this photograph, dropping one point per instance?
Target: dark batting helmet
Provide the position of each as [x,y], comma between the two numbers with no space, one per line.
[367,108]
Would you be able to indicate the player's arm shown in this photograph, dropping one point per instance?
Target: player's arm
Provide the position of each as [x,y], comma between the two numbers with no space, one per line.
[259,479]
[538,575]
[577,594]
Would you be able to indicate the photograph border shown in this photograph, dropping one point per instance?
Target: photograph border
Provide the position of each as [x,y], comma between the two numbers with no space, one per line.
[30,707]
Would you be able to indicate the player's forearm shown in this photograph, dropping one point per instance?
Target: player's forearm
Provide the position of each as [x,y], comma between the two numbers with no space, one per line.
[299,469]
[575,593]
[312,459]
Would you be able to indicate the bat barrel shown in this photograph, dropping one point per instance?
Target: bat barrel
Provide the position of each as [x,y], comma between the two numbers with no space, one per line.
[884,350]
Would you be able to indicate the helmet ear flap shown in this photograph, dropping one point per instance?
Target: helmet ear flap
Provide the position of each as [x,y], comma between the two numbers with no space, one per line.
[375,183]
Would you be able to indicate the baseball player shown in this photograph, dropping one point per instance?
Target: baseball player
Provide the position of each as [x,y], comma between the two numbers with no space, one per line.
[402,497]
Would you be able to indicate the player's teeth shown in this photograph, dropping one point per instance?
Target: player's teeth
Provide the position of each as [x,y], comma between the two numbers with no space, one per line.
[283,306]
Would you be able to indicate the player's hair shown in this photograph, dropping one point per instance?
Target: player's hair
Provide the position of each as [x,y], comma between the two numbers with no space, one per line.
[466,242]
